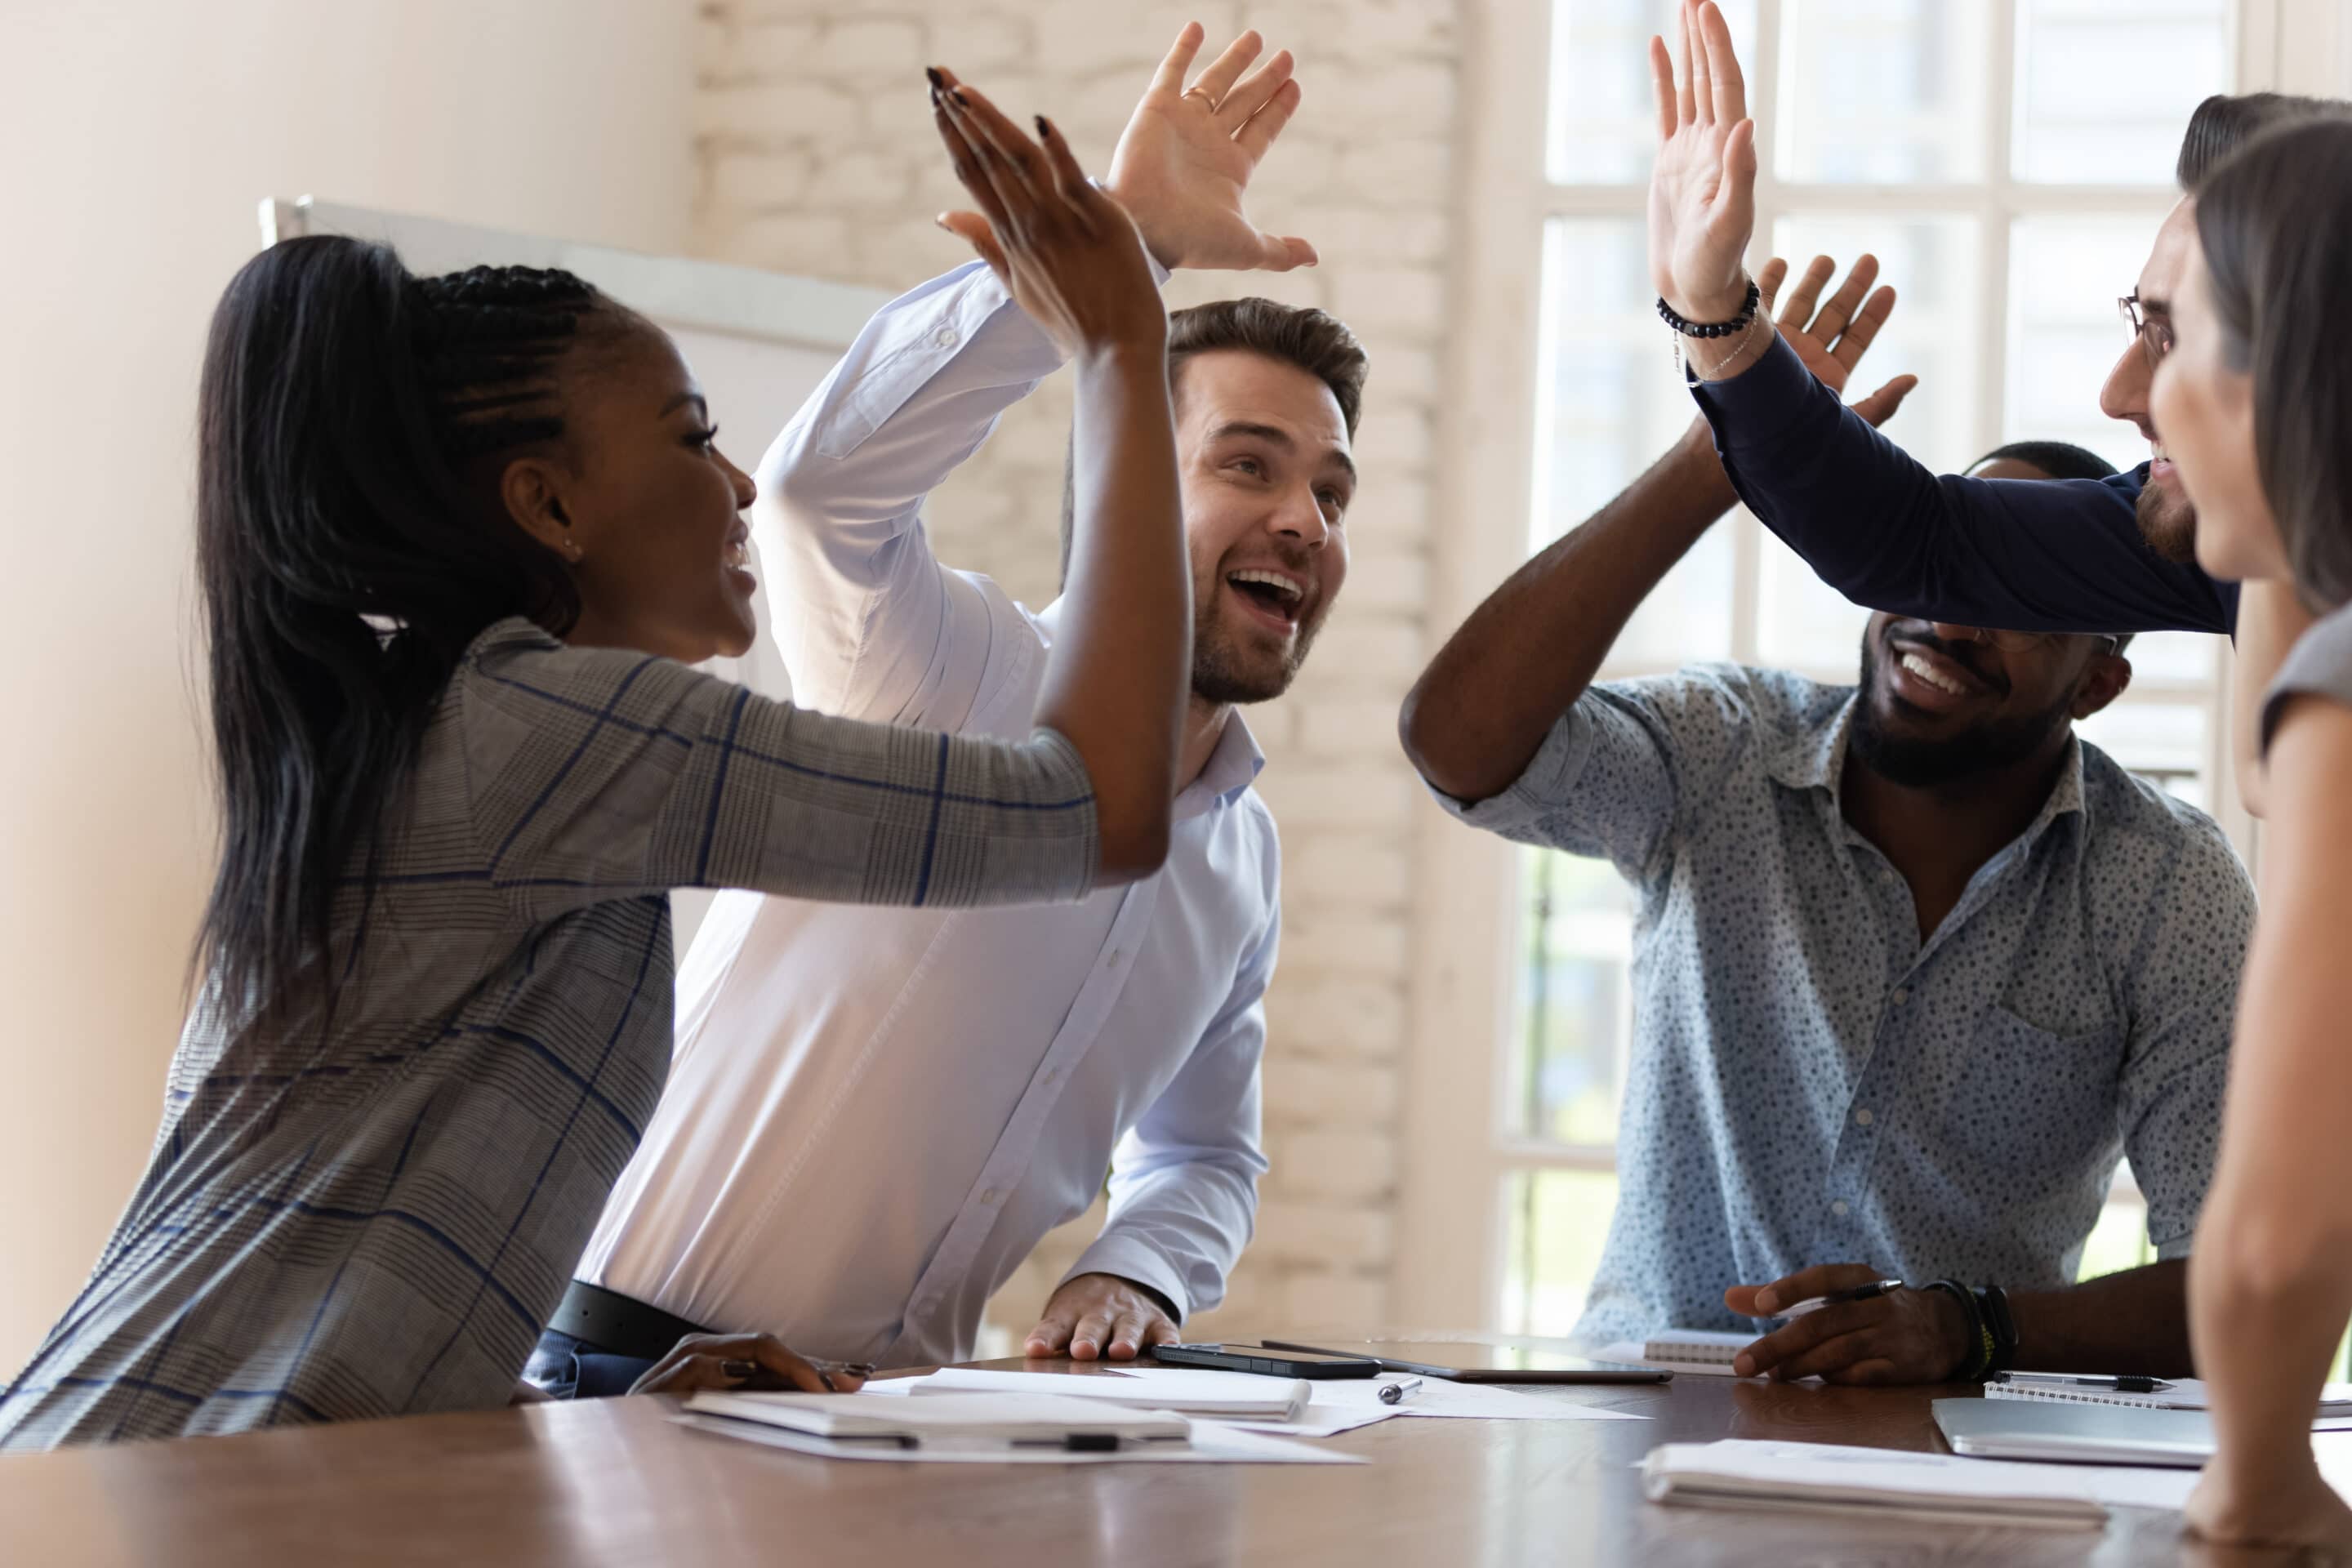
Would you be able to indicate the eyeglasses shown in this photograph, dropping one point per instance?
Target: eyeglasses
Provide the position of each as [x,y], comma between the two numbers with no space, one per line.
[2155,333]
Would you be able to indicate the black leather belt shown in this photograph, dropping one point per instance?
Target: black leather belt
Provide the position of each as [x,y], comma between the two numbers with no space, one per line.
[616,1325]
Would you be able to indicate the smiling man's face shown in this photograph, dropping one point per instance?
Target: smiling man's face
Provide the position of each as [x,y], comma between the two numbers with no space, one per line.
[1267,477]
[2166,520]
[1939,704]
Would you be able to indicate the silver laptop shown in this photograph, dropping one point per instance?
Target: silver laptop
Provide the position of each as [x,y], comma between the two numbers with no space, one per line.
[2076,1433]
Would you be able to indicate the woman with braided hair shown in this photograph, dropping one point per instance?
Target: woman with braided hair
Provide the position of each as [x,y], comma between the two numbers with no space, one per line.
[458,540]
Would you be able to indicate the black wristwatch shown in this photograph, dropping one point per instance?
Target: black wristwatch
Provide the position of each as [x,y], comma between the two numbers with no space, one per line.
[1977,1363]
[1992,1303]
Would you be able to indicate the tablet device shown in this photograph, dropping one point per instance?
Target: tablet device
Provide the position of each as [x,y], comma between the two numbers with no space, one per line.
[2074,1433]
[1486,1363]
[1269,1360]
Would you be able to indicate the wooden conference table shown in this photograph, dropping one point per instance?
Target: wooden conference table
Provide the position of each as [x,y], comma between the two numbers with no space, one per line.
[616,1481]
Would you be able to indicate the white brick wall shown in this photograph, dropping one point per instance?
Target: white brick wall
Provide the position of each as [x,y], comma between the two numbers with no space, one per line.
[816,156]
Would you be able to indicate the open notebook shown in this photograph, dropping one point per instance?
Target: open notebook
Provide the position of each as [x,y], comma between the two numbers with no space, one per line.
[1702,1351]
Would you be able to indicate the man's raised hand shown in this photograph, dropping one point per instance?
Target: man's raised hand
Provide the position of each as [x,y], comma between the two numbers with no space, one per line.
[1188,153]
[1831,338]
[1703,186]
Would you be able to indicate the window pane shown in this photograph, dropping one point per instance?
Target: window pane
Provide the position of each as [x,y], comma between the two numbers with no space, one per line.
[2175,656]
[2066,331]
[1604,126]
[1932,261]
[1554,1225]
[2165,743]
[2119,1241]
[1575,1001]
[1609,403]
[2105,90]
[1882,91]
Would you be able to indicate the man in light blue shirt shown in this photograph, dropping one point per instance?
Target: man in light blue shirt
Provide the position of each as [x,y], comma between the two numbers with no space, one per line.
[1914,966]
[875,1115]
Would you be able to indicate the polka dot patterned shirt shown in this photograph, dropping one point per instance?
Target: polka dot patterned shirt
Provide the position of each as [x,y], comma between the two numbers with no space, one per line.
[1811,1083]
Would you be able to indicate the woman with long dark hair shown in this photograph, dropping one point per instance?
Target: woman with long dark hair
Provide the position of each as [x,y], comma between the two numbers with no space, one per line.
[2256,406]
[459,538]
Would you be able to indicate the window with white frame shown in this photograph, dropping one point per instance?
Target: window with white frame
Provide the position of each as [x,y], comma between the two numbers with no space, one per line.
[2008,161]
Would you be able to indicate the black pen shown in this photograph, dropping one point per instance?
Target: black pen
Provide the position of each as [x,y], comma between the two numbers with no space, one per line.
[2128,1383]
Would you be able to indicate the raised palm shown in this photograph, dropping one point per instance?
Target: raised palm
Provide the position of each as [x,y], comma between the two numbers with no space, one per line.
[1702,185]
[1186,157]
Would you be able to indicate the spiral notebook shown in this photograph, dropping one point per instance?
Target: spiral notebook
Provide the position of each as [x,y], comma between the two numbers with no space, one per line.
[2185,1394]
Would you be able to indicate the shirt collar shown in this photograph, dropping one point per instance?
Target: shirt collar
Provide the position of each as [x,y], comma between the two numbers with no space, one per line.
[1813,756]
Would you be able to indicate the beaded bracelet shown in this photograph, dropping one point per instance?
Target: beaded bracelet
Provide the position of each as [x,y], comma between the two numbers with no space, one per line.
[1981,1342]
[1713,328]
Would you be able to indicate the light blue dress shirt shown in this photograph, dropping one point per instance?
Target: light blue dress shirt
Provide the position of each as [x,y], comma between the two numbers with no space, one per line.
[1811,1083]
[875,1115]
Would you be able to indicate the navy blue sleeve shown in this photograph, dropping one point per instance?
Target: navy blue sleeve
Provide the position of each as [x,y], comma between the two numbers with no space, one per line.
[2035,555]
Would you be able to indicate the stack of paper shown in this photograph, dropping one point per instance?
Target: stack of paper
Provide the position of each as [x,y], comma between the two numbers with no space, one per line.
[1189,1391]
[1880,1482]
[1013,1428]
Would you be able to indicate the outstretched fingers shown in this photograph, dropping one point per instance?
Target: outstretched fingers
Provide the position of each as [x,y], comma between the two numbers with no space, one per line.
[1701,68]
[1857,337]
[1012,160]
[1170,77]
[1726,85]
[1839,310]
[1069,180]
[1217,82]
[1256,135]
[1807,294]
[1685,99]
[964,155]
[1662,88]
[1256,91]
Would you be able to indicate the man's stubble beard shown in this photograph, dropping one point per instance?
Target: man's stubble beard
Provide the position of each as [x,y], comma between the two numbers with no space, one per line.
[2168,523]
[1220,675]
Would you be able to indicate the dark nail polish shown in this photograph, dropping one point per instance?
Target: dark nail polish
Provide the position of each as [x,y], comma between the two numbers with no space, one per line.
[830,1387]
[939,82]
[957,94]
[1044,132]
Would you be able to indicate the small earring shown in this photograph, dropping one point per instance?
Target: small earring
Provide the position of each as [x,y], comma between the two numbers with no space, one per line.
[572,547]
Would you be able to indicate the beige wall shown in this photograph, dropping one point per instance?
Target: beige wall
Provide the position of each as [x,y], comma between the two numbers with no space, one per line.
[818,156]
[135,141]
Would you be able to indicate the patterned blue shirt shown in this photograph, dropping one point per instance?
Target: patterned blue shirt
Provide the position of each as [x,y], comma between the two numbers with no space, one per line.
[1811,1083]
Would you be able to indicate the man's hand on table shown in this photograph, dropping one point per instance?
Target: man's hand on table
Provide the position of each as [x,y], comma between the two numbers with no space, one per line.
[1186,157]
[1101,1316]
[1903,1337]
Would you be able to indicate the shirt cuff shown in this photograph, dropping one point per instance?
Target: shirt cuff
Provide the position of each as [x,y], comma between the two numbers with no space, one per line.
[1132,1260]
[1761,403]
[1542,787]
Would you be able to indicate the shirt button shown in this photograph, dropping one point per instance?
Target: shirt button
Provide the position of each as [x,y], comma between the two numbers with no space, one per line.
[946,337]
[1902,994]
[1864,1118]
[989,1195]
[1838,1208]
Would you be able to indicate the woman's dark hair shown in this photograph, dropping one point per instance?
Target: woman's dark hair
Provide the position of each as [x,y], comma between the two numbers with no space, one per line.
[2059,460]
[2275,222]
[350,547]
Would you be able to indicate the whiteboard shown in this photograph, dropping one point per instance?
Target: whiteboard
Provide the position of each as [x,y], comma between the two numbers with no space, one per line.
[759,342]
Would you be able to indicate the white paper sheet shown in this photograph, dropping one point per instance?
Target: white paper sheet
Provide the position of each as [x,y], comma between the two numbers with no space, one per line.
[1786,1468]
[1213,1442]
[1442,1397]
[1192,1391]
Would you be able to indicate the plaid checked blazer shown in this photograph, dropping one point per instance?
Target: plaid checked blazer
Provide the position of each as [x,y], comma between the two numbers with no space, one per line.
[376,1215]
